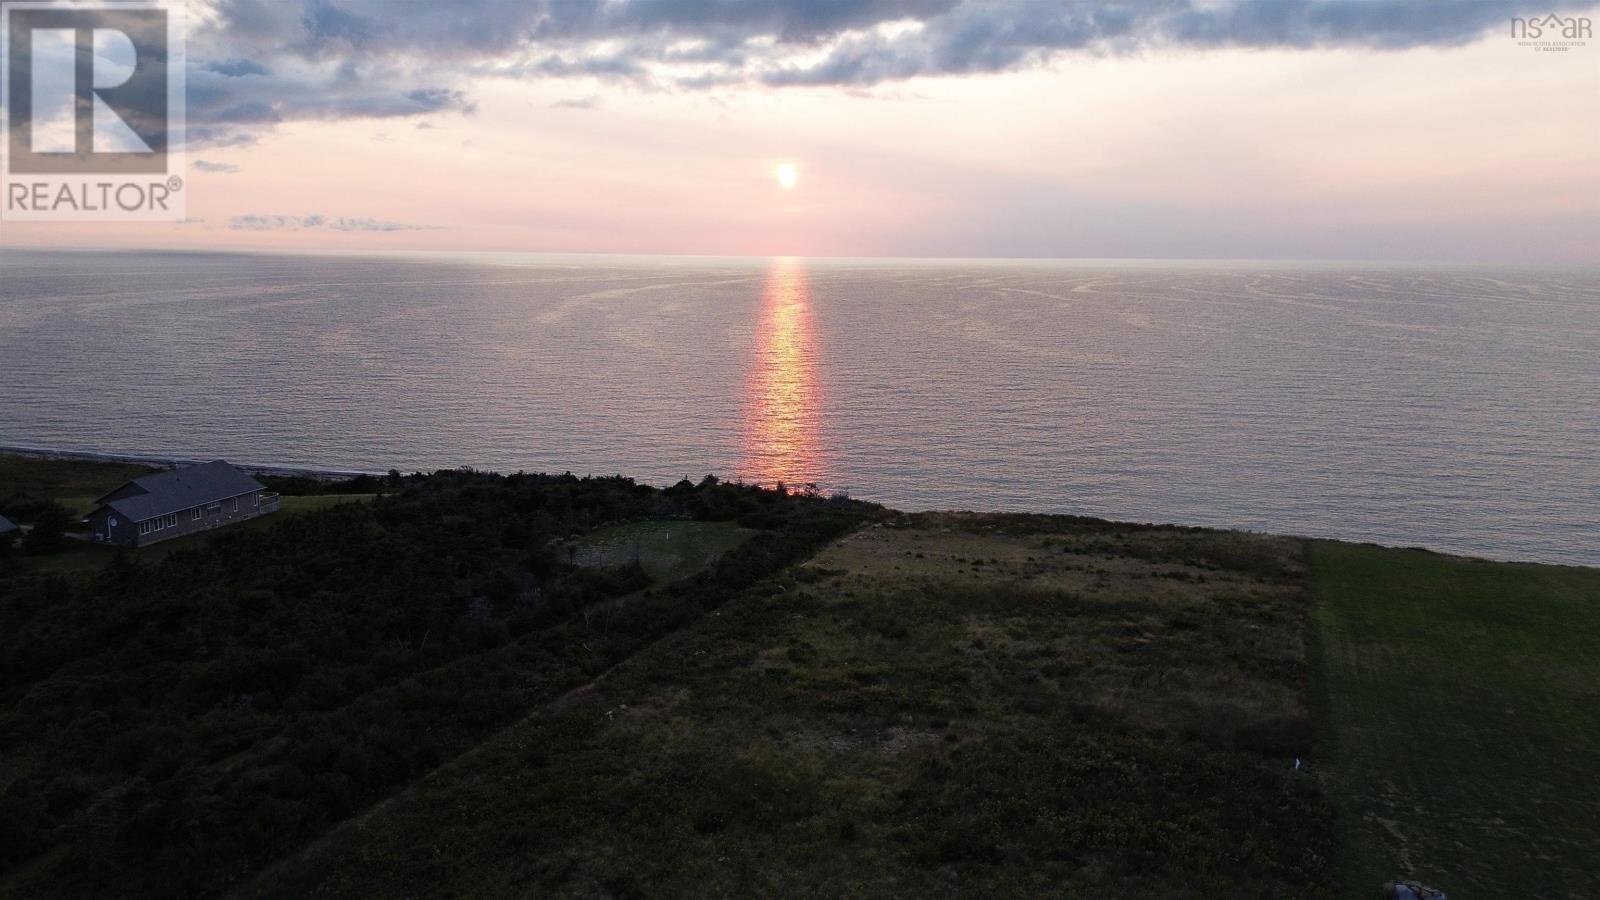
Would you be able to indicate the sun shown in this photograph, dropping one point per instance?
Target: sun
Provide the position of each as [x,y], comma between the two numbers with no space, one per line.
[788,175]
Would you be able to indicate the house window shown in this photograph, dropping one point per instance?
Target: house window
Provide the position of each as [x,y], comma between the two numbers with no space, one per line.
[235,505]
[172,521]
[196,513]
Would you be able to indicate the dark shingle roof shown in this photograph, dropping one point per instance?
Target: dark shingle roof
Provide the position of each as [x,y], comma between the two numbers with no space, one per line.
[180,489]
[6,525]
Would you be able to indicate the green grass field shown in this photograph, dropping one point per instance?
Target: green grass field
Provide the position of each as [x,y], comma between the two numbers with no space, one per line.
[64,478]
[667,550]
[963,706]
[1023,705]
[1460,712]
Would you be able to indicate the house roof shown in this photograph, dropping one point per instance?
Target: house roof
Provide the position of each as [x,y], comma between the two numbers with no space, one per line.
[179,489]
[6,525]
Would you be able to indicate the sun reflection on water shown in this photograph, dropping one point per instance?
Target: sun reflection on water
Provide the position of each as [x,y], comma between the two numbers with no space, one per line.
[782,401]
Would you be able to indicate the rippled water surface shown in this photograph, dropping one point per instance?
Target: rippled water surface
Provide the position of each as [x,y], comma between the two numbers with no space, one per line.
[1454,408]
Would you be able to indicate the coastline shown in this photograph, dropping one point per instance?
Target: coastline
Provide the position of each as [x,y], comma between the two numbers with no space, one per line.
[154,460]
[327,474]
[1226,656]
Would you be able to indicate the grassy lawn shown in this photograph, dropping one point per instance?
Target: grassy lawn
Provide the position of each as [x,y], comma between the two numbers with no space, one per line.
[1462,709]
[959,706]
[668,550]
[84,556]
[79,505]
[67,480]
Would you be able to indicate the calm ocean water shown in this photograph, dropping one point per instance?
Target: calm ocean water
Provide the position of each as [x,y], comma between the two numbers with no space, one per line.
[1453,408]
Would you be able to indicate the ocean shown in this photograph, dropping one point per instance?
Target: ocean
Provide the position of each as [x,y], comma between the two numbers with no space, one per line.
[1449,407]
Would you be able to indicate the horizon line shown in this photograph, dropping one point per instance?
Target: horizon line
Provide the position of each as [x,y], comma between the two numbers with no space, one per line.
[377,252]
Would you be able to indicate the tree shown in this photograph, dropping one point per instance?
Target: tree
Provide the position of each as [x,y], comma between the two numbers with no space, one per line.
[49,532]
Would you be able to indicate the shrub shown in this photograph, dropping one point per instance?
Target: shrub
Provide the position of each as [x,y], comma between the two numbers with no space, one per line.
[49,532]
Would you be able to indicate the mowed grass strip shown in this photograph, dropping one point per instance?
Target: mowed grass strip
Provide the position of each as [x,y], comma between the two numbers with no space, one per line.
[959,706]
[666,549]
[1461,709]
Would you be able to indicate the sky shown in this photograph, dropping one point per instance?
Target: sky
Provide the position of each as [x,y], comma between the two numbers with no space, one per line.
[1275,129]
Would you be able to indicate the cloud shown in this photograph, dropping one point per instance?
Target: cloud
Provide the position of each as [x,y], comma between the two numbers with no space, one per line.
[365,224]
[1015,34]
[256,222]
[236,68]
[264,62]
[206,165]
[301,90]
[589,102]
[273,222]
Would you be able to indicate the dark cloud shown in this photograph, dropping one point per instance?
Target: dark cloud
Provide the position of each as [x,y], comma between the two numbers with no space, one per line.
[438,98]
[268,61]
[237,68]
[217,137]
[611,66]
[1000,36]
[792,22]
[474,29]
[300,93]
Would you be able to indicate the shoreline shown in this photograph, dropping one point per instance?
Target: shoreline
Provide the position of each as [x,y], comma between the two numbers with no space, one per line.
[322,474]
[171,461]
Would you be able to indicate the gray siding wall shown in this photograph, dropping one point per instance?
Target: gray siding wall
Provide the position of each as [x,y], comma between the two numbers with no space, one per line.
[214,515]
[123,533]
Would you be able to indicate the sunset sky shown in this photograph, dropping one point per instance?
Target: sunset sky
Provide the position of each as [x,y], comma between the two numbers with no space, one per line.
[1301,129]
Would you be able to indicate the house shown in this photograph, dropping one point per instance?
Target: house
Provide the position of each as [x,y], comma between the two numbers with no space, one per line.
[178,502]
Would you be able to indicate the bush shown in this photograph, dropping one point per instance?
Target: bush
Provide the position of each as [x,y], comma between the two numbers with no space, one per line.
[49,532]
[194,717]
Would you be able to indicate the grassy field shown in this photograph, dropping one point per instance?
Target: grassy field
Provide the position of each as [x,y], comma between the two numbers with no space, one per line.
[1462,708]
[962,705]
[1013,705]
[667,550]
[74,483]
